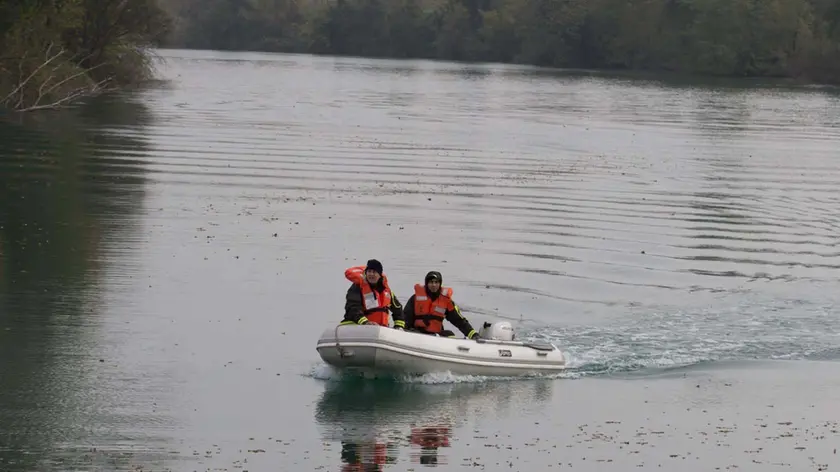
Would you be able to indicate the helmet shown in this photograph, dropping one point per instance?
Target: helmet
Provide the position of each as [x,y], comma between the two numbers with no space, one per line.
[434,275]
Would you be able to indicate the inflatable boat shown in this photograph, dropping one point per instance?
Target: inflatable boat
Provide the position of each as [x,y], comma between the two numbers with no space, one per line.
[373,349]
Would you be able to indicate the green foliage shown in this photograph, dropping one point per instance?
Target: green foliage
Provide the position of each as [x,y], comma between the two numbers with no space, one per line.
[54,51]
[795,38]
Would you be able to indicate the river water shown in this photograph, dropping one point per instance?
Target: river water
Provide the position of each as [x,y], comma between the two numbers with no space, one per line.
[169,255]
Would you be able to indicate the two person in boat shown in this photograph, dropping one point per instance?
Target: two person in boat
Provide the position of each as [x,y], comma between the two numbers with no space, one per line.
[369,300]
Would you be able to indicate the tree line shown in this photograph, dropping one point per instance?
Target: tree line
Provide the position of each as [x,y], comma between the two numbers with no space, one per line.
[53,50]
[772,38]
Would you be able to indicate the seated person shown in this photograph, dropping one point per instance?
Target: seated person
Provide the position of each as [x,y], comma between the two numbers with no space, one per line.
[430,305]
[370,299]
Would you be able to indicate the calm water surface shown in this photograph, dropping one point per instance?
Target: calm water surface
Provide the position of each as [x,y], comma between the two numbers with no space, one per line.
[169,256]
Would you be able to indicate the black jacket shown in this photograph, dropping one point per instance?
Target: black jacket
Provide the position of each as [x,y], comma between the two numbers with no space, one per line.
[354,307]
[453,316]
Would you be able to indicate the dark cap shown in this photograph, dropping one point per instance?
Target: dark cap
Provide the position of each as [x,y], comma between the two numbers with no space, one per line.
[375,265]
[434,275]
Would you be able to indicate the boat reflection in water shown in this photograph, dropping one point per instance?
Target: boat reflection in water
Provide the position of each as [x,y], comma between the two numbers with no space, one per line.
[374,419]
[429,439]
[365,456]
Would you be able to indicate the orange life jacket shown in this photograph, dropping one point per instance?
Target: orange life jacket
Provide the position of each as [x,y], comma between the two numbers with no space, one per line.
[428,314]
[375,303]
[380,454]
[367,457]
[430,437]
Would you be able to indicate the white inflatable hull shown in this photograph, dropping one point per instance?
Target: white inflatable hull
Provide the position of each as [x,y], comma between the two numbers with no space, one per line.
[372,348]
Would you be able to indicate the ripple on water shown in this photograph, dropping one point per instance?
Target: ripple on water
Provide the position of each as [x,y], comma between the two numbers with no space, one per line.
[641,227]
[549,197]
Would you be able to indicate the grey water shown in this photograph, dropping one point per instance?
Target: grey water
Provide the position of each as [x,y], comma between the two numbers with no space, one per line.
[169,255]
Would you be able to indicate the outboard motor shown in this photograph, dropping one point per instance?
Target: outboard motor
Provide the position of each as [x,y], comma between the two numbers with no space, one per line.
[500,331]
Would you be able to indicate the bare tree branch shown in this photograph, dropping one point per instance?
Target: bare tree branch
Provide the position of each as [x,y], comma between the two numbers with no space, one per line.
[23,83]
[78,93]
[76,75]
[52,83]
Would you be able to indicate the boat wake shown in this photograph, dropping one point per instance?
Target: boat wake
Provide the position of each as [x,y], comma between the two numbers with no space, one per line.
[650,342]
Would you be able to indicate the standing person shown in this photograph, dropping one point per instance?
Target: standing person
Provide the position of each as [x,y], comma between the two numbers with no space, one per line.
[370,298]
[430,305]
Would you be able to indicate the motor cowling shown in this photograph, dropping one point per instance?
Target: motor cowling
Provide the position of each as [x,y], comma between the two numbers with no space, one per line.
[500,331]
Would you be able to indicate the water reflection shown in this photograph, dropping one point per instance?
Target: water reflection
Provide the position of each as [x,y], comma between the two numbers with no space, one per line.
[366,455]
[375,420]
[660,79]
[430,439]
[471,73]
[378,67]
[68,211]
